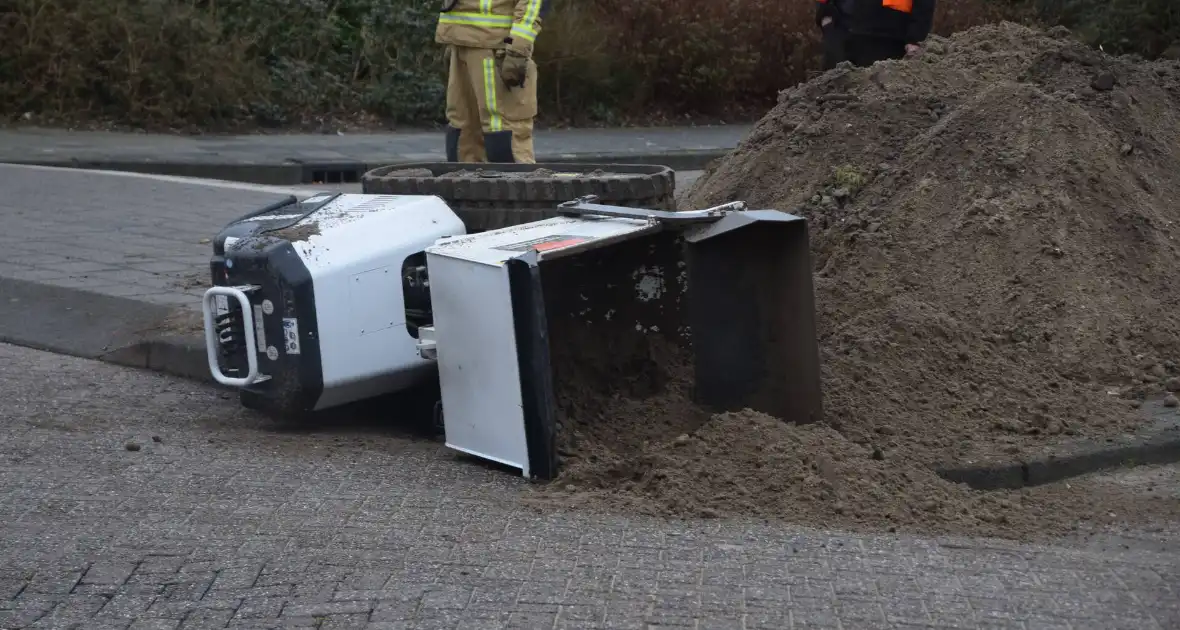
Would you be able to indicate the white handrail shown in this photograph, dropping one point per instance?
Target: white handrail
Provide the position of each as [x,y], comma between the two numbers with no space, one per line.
[208,306]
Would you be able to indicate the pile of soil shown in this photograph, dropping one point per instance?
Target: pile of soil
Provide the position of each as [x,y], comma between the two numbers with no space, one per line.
[993,226]
[993,230]
[748,464]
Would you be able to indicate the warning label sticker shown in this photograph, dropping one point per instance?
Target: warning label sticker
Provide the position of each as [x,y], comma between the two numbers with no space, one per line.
[544,244]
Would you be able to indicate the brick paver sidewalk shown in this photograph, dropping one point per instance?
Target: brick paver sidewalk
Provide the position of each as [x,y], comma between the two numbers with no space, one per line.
[223,522]
[124,236]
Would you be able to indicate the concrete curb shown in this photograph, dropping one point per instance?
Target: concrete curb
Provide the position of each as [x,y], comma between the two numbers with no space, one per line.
[293,173]
[90,325]
[176,355]
[1157,443]
[297,191]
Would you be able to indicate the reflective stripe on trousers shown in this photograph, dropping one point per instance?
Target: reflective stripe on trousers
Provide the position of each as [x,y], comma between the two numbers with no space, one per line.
[495,121]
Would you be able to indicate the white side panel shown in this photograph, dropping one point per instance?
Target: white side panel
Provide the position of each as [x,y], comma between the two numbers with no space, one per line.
[354,249]
[376,301]
[477,363]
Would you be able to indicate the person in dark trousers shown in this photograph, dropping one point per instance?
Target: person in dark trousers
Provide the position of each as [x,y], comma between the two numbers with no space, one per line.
[867,31]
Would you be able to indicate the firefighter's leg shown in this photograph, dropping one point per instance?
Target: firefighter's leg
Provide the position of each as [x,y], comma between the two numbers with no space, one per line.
[519,106]
[464,135]
[506,115]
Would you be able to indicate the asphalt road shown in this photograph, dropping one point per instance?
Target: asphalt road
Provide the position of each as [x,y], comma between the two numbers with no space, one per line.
[134,500]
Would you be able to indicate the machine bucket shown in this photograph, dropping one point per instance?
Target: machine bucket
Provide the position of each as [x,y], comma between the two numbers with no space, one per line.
[752,310]
[726,304]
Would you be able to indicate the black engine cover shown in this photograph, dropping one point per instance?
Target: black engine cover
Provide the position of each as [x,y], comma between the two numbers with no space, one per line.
[252,251]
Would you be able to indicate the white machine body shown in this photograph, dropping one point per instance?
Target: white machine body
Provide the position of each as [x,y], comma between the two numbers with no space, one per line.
[356,263]
[326,272]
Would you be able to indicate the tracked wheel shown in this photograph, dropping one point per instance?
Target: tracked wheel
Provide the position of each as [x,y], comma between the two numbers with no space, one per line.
[493,196]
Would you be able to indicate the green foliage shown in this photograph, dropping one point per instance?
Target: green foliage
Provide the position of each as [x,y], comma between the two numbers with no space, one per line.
[135,60]
[1143,27]
[710,54]
[225,63]
[581,78]
[848,176]
[212,63]
[340,56]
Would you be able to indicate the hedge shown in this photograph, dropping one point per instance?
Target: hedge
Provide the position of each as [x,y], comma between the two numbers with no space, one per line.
[229,64]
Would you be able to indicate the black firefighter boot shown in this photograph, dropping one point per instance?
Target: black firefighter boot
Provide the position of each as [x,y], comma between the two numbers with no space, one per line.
[452,143]
[499,146]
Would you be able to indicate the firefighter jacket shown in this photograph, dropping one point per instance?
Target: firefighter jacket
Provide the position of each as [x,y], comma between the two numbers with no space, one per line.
[491,23]
[908,20]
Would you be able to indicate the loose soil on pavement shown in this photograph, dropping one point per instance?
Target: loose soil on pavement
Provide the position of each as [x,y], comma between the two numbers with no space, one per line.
[993,226]
[492,173]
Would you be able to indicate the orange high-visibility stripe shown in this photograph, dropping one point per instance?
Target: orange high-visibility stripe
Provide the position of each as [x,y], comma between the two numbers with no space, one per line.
[905,6]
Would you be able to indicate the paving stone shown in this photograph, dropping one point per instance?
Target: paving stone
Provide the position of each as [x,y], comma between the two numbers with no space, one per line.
[154,565]
[127,605]
[394,611]
[326,608]
[189,587]
[352,621]
[155,624]
[532,620]
[246,514]
[108,573]
[53,623]
[54,581]
[203,619]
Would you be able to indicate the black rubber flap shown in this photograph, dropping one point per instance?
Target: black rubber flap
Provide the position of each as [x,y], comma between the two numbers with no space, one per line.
[752,313]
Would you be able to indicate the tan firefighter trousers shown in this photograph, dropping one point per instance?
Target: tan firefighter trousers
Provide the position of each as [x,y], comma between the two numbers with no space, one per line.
[479,103]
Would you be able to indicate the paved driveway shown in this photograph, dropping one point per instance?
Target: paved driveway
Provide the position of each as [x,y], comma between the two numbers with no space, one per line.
[218,520]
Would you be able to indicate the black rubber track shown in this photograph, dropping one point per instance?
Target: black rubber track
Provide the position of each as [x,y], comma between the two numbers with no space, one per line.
[488,202]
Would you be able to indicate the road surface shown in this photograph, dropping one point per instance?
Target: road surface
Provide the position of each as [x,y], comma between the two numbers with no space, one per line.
[134,500]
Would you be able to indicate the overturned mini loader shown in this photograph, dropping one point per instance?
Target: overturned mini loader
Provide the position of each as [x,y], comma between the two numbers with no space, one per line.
[338,298]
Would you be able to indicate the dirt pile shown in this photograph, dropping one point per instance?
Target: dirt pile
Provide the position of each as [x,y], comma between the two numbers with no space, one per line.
[751,465]
[621,400]
[993,226]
